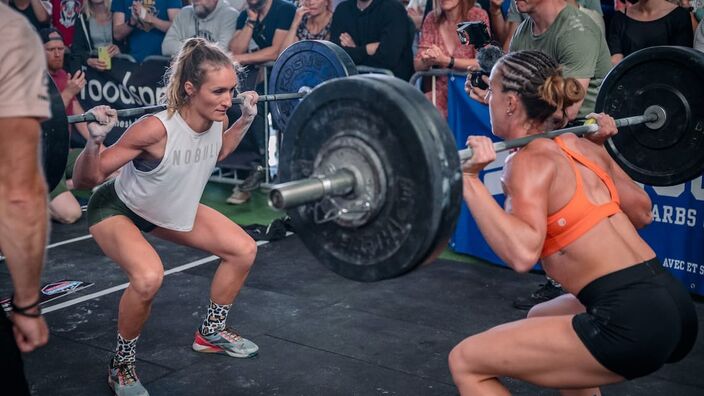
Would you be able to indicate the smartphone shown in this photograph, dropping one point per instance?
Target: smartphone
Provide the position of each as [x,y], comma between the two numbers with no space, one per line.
[104,56]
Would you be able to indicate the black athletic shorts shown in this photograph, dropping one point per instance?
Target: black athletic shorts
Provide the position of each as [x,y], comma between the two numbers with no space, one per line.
[105,203]
[637,319]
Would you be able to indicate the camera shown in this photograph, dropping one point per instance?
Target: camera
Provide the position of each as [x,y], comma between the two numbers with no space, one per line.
[477,80]
[477,34]
[474,33]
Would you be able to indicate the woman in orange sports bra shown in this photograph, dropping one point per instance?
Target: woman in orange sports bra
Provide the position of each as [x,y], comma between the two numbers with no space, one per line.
[570,206]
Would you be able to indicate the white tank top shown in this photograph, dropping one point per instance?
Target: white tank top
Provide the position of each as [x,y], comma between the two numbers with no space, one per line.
[168,195]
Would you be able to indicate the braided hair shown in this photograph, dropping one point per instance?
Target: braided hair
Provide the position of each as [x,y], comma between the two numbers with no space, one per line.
[537,79]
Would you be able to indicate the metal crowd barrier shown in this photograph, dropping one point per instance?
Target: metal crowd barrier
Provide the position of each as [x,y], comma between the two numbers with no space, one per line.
[221,174]
[433,74]
[373,70]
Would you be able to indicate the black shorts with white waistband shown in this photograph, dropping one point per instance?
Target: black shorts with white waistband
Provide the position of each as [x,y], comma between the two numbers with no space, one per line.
[637,319]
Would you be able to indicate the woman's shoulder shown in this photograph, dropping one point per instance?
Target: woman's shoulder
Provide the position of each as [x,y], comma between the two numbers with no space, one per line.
[538,160]
[146,131]
[475,13]
[536,151]
[431,18]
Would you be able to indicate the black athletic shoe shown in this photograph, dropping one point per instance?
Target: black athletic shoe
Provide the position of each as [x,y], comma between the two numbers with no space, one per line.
[288,224]
[256,231]
[254,180]
[275,231]
[546,292]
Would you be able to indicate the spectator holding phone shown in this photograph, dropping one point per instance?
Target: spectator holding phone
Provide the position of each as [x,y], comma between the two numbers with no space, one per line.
[440,45]
[94,37]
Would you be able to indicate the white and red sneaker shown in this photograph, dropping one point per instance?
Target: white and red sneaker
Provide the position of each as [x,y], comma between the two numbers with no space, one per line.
[227,342]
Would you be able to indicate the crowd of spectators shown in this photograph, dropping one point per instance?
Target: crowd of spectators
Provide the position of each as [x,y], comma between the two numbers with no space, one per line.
[400,36]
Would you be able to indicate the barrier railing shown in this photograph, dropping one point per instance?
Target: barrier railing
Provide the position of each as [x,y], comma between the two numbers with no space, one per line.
[373,70]
[433,74]
[223,174]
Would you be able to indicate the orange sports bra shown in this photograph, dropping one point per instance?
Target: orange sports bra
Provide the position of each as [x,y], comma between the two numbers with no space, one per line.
[580,214]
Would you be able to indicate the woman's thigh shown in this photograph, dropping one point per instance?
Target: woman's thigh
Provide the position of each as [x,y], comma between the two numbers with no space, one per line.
[212,232]
[544,351]
[566,304]
[125,244]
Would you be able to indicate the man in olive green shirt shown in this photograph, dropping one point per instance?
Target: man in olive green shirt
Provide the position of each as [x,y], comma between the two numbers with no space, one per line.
[572,38]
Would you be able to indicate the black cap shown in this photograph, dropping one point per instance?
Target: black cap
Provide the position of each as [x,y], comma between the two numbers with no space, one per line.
[46,33]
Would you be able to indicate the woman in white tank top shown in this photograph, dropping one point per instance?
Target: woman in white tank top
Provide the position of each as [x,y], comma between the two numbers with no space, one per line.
[165,162]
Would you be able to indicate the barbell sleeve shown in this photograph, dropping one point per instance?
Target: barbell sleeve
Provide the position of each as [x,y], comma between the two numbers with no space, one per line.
[299,192]
[652,114]
[138,111]
[274,97]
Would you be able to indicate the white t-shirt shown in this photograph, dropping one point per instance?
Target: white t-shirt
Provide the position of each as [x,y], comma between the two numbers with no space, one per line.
[23,73]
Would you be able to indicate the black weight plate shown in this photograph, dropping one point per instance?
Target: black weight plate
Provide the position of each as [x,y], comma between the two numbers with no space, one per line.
[305,63]
[447,157]
[55,138]
[672,78]
[400,235]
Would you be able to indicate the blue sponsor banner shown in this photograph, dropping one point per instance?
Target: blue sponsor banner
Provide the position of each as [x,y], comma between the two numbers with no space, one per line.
[676,234]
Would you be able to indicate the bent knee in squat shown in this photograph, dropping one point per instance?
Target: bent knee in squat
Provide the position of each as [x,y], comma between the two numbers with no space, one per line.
[65,209]
[243,253]
[147,284]
[462,357]
[66,217]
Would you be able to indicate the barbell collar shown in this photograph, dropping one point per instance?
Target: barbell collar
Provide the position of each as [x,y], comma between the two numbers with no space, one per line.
[300,192]
[653,115]
[138,111]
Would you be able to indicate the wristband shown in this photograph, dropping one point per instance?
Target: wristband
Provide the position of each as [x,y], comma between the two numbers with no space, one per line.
[23,310]
[452,62]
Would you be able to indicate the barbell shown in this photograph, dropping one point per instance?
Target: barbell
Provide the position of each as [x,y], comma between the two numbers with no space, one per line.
[372,174]
[138,111]
[298,69]
[299,192]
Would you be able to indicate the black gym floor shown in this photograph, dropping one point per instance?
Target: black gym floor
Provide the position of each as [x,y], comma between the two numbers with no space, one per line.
[318,333]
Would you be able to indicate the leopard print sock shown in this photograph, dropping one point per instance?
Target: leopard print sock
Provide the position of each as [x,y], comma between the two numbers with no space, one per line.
[215,319]
[126,350]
